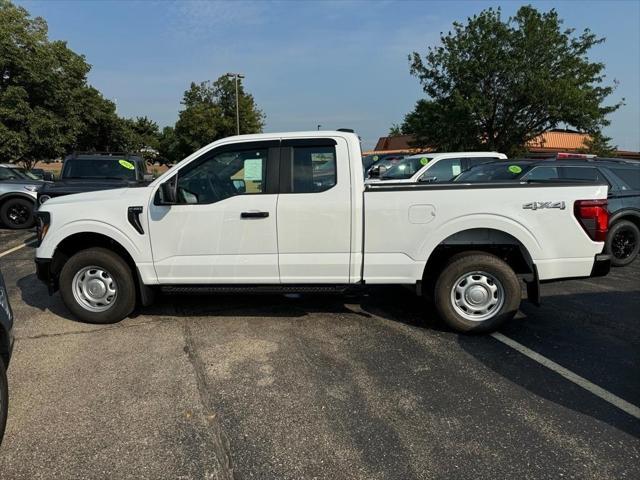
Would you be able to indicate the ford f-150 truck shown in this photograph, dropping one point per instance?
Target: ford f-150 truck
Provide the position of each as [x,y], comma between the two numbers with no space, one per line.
[290,213]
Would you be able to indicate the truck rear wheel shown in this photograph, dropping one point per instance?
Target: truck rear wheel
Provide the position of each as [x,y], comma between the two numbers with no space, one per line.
[97,286]
[477,292]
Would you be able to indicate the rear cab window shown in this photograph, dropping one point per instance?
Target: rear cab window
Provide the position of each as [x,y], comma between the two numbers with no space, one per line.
[308,166]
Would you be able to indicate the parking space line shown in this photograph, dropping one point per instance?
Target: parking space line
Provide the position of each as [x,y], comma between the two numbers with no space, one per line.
[572,377]
[26,243]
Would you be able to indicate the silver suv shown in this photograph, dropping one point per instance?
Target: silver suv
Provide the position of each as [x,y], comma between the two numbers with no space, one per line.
[18,193]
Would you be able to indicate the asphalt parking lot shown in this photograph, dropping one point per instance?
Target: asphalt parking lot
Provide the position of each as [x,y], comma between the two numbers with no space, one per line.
[337,387]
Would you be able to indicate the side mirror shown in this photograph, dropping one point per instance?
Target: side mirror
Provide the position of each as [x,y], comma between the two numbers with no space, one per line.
[428,179]
[381,170]
[169,191]
[240,186]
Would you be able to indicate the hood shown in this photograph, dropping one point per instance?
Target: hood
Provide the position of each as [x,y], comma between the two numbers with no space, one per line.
[133,194]
[24,182]
[83,185]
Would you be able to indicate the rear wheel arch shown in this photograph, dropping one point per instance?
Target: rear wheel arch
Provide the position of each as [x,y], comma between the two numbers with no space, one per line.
[488,240]
[632,216]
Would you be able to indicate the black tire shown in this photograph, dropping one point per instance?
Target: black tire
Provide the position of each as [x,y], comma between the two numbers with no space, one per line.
[17,213]
[623,243]
[4,399]
[123,303]
[469,263]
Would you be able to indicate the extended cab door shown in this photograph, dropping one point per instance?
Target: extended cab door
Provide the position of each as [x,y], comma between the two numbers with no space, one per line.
[223,229]
[314,211]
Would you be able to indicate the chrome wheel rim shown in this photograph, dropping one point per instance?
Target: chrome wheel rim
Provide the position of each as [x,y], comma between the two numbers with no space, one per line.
[94,289]
[477,296]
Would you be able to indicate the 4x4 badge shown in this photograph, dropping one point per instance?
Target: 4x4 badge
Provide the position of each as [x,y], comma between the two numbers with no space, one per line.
[540,205]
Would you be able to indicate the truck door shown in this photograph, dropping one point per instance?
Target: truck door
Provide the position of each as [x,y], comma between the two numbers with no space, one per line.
[223,229]
[314,211]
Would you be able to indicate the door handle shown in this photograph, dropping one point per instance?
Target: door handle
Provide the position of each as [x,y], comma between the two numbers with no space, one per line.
[254,214]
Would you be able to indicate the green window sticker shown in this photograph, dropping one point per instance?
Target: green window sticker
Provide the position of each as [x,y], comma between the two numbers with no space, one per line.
[126,164]
[424,161]
[515,169]
[375,158]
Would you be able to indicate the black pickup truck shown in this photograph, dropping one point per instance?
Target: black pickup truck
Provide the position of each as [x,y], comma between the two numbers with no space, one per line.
[97,171]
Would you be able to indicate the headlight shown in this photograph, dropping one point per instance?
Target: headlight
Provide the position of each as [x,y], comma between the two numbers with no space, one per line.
[31,188]
[4,300]
[43,221]
[43,198]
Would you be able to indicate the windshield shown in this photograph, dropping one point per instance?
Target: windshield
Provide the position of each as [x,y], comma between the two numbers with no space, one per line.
[369,160]
[112,168]
[27,174]
[493,172]
[11,173]
[405,168]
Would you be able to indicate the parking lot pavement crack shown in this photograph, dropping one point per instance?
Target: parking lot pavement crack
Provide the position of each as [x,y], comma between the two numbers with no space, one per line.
[94,330]
[216,436]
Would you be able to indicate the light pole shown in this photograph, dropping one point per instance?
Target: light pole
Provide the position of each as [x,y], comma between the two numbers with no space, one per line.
[237,76]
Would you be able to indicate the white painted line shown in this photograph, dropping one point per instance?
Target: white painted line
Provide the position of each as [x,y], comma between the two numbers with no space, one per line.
[572,377]
[27,242]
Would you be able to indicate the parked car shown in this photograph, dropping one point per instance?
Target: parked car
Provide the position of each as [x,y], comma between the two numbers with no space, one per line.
[245,214]
[622,177]
[97,171]
[435,167]
[382,164]
[18,193]
[42,174]
[6,346]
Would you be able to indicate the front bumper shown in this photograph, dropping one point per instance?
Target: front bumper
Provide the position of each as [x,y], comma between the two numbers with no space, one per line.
[45,275]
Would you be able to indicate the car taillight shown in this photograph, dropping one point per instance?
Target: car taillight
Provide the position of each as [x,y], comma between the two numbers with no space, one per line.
[594,218]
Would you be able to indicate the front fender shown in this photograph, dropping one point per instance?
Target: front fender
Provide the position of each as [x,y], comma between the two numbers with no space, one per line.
[59,233]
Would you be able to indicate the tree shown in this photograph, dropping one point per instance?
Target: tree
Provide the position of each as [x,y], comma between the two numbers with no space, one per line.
[599,144]
[210,114]
[495,84]
[168,152]
[100,128]
[39,80]
[395,130]
[145,137]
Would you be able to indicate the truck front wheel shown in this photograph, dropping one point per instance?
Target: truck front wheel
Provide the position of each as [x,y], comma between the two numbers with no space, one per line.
[97,286]
[477,292]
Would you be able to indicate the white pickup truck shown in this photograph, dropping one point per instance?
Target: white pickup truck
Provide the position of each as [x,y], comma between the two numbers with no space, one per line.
[290,212]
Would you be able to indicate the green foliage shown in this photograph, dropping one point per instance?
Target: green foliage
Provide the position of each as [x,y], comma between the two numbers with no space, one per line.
[39,81]
[395,130]
[210,114]
[599,144]
[495,84]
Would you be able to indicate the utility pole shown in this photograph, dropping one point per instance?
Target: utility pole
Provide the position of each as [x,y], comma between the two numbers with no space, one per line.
[237,76]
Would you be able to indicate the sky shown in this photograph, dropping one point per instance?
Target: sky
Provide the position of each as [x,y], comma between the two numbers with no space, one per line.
[339,64]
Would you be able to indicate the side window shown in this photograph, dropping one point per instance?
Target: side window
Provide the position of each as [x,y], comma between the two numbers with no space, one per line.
[313,169]
[443,171]
[582,174]
[542,173]
[223,175]
[629,176]
[473,161]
